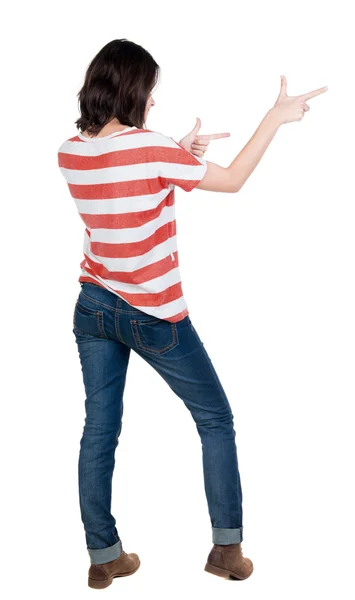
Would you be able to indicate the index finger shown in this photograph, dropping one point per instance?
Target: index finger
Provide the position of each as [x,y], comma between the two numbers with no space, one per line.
[314,93]
[213,136]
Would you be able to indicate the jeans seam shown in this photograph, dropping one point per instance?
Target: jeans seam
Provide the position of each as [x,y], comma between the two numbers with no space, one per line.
[113,308]
[117,326]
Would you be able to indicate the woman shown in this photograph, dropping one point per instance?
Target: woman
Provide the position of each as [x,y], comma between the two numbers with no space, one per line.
[122,177]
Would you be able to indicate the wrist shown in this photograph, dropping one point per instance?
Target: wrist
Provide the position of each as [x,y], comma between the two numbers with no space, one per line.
[273,115]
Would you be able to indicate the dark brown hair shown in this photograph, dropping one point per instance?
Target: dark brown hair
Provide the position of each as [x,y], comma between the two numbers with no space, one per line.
[117,84]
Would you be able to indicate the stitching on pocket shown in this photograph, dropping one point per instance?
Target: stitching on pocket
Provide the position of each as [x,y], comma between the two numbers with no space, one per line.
[100,324]
[92,313]
[135,330]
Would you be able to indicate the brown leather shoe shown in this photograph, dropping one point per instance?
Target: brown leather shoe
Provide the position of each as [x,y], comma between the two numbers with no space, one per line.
[100,576]
[228,560]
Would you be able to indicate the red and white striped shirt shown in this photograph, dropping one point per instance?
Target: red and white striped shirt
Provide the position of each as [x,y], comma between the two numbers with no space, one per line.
[123,185]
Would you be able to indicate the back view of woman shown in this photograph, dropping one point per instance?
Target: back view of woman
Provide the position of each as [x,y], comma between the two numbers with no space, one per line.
[122,177]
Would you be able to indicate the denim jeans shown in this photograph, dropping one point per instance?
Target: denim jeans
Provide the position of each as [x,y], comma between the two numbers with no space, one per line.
[106,329]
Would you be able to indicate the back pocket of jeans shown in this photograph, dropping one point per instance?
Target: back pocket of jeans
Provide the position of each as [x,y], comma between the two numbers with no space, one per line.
[89,320]
[156,336]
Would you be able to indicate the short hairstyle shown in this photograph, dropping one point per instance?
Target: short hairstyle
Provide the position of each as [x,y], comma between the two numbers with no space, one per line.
[117,84]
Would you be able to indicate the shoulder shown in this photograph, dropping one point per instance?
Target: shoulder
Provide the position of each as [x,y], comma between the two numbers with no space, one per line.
[156,138]
[68,145]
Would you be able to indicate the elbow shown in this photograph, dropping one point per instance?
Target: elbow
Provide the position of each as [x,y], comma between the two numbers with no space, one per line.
[231,188]
[238,186]
[234,186]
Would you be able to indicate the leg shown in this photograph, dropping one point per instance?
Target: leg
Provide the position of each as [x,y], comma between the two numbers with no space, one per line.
[176,352]
[104,365]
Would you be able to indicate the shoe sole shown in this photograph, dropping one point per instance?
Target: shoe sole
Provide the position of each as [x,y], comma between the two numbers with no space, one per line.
[224,572]
[98,584]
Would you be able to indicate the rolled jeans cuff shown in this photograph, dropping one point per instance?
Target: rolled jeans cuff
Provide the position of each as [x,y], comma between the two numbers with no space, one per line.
[103,555]
[221,535]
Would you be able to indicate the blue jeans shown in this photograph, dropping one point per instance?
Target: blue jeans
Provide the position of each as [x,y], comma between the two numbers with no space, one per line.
[106,328]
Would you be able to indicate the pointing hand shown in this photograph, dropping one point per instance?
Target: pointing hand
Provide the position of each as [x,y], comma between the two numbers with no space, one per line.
[198,144]
[292,108]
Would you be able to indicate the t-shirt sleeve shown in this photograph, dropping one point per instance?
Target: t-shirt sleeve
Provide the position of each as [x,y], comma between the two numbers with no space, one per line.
[173,164]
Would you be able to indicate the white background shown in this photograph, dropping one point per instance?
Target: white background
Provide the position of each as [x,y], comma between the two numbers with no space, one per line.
[268,275]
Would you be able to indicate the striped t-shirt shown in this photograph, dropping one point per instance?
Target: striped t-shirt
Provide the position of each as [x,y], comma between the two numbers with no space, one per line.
[123,185]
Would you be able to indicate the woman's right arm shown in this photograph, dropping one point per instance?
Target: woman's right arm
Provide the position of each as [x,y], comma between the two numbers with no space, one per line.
[232,178]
